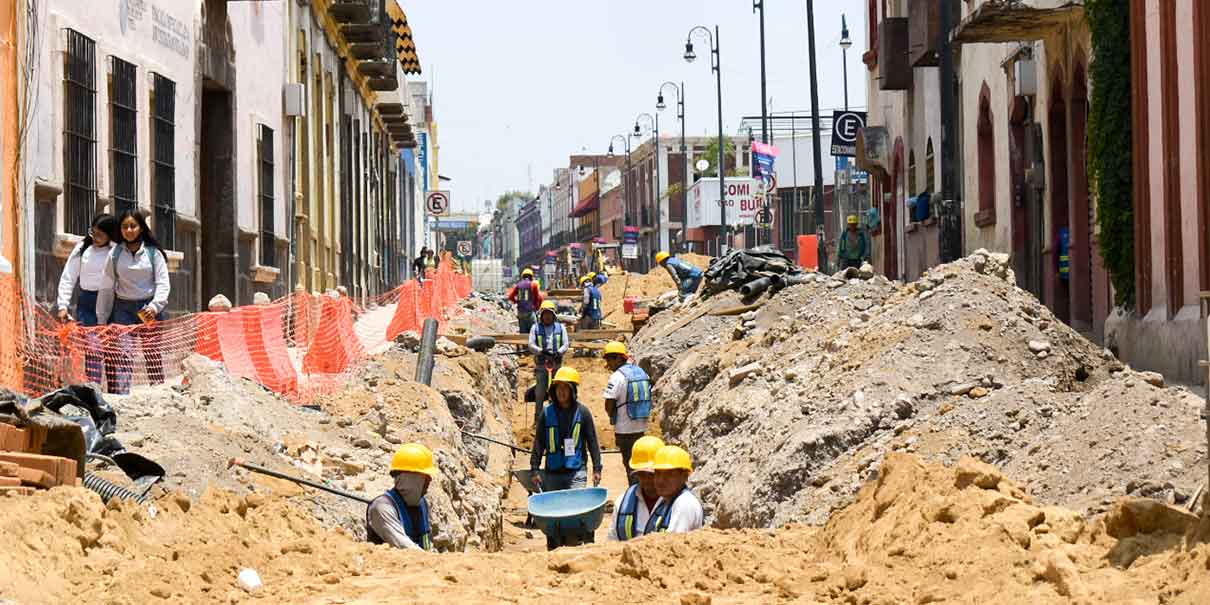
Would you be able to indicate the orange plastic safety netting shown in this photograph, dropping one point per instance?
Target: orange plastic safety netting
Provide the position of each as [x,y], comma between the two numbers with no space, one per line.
[297,346]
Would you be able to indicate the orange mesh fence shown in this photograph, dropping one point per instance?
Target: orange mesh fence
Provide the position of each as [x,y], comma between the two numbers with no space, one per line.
[298,346]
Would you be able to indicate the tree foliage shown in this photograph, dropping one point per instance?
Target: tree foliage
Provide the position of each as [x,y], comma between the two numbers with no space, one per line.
[506,197]
[711,155]
[1110,153]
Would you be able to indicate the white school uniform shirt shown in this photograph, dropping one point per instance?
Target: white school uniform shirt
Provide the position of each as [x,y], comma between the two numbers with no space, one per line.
[617,391]
[87,266]
[139,277]
[641,514]
[687,513]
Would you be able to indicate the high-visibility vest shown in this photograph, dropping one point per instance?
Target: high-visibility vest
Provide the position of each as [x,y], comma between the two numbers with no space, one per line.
[627,514]
[662,514]
[556,458]
[422,535]
[525,296]
[594,303]
[556,337]
[638,392]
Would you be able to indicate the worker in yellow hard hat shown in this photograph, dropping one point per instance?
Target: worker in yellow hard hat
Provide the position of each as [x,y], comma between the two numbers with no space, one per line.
[567,437]
[687,276]
[678,510]
[634,507]
[854,246]
[526,296]
[548,342]
[590,304]
[400,517]
[627,400]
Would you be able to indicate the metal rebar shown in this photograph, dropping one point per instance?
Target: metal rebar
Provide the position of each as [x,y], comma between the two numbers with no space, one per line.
[299,480]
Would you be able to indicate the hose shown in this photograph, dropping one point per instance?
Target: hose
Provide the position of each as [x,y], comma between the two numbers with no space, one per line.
[755,286]
[108,490]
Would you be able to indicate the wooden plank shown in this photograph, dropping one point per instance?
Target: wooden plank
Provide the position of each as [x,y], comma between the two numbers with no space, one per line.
[564,293]
[590,334]
[740,310]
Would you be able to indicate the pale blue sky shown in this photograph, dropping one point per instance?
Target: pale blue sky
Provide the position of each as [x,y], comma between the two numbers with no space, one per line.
[519,86]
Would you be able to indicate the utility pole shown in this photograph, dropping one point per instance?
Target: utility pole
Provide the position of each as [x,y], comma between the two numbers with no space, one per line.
[950,232]
[817,194]
[759,5]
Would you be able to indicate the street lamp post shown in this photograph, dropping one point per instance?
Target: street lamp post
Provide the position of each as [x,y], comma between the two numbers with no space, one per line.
[680,115]
[625,176]
[716,65]
[817,194]
[845,43]
[759,5]
[655,126]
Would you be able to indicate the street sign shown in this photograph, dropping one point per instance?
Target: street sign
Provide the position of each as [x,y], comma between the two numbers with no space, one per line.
[764,217]
[845,125]
[770,180]
[465,249]
[437,203]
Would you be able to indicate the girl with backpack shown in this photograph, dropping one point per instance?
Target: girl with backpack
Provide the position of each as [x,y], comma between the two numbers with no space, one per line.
[139,269]
[86,268]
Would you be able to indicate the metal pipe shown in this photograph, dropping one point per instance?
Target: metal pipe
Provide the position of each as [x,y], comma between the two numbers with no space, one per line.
[428,346]
[299,480]
[756,286]
[490,440]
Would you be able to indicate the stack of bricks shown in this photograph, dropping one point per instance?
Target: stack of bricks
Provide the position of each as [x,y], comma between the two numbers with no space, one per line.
[23,469]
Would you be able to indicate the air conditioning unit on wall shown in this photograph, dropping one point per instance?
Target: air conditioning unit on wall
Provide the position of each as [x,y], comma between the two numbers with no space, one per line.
[1025,73]
[294,99]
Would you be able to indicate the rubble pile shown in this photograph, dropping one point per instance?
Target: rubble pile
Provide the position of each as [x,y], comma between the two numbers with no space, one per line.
[920,533]
[194,429]
[648,287]
[790,407]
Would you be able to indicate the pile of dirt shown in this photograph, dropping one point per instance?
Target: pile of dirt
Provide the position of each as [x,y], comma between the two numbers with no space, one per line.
[921,533]
[787,409]
[644,286]
[345,439]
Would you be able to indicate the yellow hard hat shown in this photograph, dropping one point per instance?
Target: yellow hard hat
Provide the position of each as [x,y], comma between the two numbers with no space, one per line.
[671,457]
[852,219]
[414,458]
[615,347]
[591,275]
[527,272]
[583,279]
[549,305]
[661,256]
[642,457]
[566,374]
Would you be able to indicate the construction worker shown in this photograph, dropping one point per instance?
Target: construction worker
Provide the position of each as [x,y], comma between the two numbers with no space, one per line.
[566,437]
[627,400]
[688,276]
[854,248]
[527,298]
[633,508]
[548,341]
[678,510]
[600,278]
[590,307]
[400,517]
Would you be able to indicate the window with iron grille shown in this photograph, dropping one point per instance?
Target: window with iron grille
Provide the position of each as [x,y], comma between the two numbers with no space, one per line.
[79,131]
[163,162]
[123,135]
[268,248]
[786,229]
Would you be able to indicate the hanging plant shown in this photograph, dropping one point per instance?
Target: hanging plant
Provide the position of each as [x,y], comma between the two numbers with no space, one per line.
[1110,153]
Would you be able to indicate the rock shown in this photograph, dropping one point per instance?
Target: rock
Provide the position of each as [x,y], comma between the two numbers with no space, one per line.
[903,406]
[1135,516]
[927,295]
[449,348]
[363,443]
[408,339]
[737,375]
[1154,379]
[945,408]
[219,304]
[961,388]
[260,298]
[975,472]
[866,271]
[249,580]
[854,577]
[977,393]
[1038,346]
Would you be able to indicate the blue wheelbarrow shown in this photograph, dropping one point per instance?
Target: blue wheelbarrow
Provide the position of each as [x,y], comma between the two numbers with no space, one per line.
[568,517]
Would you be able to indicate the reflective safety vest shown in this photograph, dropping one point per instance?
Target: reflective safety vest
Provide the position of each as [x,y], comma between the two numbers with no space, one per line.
[594,303]
[556,337]
[638,392]
[1064,253]
[627,514]
[525,296]
[556,458]
[422,535]
[683,269]
[658,522]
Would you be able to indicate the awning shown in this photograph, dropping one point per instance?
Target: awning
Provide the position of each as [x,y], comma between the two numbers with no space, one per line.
[405,46]
[586,205]
[1012,21]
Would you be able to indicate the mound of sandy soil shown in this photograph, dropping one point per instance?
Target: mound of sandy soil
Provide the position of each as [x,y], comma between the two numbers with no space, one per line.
[646,286]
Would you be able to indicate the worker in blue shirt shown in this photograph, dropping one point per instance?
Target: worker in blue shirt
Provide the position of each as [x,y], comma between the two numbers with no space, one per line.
[683,273]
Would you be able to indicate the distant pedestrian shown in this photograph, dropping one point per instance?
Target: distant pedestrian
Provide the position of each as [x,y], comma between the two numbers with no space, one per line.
[139,269]
[418,265]
[853,248]
[86,268]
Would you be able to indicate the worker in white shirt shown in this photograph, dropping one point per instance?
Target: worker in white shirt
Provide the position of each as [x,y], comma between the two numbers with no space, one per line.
[633,508]
[679,510]
[627,400]
[139,269]
[86,268]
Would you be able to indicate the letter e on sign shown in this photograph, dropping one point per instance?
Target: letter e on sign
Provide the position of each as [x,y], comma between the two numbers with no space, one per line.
[437,203]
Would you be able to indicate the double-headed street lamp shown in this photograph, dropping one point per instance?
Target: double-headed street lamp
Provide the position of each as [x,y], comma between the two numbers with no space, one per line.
[625,176]
[716,65]
[680,115]
[845,43]
[638,133]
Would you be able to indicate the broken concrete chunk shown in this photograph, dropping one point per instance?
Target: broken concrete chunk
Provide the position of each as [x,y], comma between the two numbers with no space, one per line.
[1038,346]
[737,375]
[1154,379]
